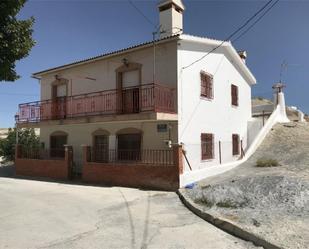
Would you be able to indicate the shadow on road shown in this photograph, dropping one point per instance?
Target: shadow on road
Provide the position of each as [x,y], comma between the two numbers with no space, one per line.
[7,170]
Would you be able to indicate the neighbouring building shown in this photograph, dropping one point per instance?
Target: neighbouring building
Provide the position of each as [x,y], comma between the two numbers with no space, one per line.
[131,106]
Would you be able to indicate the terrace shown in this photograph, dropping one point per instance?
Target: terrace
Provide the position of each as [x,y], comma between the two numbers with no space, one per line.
[149,98]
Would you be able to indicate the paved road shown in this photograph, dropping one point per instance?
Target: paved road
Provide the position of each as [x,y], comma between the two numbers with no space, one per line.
[35,214]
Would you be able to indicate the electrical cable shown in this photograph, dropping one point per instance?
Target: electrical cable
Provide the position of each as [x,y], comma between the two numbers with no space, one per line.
[230,36]
[251,26]
[142,14]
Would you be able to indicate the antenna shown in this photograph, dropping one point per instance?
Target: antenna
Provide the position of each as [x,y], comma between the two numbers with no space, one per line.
[284,66]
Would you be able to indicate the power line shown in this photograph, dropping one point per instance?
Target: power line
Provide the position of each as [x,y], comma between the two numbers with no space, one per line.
[142,14]
[230,36]
[251,26]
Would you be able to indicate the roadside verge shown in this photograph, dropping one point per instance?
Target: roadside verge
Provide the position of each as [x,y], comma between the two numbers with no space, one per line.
[224,224]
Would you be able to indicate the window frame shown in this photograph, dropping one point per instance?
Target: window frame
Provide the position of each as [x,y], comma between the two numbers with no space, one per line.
[207,94]
[235,150]
[205,153]
[234,98]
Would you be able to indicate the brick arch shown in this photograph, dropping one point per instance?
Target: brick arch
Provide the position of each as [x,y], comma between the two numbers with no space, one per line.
[100,132]
[129,130]
[59,133]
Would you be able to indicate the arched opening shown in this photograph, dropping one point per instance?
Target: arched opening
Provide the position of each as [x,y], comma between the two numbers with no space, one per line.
[57,141]
[100,145]
[129,143]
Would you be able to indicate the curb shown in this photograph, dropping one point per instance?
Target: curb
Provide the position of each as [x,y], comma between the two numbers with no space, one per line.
[225,225]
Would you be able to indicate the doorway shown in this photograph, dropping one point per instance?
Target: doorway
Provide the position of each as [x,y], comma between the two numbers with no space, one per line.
[59,101]
[57,143]
[101,151]
[130,91]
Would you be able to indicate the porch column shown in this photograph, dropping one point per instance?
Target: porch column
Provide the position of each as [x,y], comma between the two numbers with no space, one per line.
[112,146]
[68,158]
[178,157]
[17,151]
[85,153]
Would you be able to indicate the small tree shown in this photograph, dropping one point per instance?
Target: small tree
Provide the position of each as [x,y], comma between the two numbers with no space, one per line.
[15,38]
[26,137]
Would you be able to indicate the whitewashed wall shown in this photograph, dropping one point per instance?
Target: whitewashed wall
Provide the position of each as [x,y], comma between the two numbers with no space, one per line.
[198,115]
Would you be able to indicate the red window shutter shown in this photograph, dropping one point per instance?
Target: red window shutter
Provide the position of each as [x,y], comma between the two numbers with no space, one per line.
[203,145]
[206,85]
[207,146]
[203,84]
[234,95]
[235,140]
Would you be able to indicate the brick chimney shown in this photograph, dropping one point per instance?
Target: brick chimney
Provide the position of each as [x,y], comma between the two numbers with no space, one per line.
[171,17]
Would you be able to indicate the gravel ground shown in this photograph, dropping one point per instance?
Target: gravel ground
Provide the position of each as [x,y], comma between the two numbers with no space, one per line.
[270,202]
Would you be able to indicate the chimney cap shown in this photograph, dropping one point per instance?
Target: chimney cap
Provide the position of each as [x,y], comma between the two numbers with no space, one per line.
[177,3]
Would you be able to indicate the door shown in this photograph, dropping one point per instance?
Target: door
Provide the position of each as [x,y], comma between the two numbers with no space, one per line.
[57,143]
[131,91]
[100,152]
[59,97]
[129,147]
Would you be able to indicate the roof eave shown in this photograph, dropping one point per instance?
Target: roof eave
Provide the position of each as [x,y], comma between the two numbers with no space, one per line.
[250,77]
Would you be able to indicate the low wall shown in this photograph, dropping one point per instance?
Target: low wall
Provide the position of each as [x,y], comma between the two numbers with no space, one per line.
[54,169]
[134,175]
[130,175]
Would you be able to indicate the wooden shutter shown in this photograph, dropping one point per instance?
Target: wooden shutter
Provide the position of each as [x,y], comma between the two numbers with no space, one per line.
[235,138]
[207,146]
[234,95]
[206,85]
[203,85]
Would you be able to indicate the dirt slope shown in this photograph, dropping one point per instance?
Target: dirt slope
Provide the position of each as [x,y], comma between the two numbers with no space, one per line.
[272,202]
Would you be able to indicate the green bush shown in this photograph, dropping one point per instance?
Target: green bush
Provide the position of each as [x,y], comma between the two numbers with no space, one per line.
[267,162]
[26,137]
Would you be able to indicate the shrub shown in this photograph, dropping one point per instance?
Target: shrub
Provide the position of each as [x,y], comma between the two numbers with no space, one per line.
[26,138]
[267,162]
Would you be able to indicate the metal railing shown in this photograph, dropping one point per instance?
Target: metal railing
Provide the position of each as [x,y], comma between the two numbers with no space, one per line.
[143,98]
[143,156]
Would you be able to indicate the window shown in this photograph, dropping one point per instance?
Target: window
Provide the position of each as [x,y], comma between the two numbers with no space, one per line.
[207,146]
[57,142]
[235,138]
[234,93]
[129,146]
[206,85]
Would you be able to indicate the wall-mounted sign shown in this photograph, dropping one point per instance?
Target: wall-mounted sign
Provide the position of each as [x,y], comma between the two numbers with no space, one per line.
[162,127]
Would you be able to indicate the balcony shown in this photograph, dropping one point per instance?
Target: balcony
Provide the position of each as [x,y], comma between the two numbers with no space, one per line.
[150,98]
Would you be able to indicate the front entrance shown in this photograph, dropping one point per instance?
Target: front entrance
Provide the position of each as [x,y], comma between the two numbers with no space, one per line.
[131,91]
[130,100]
[100,147]
[129,147]
[57,143]
[59,101]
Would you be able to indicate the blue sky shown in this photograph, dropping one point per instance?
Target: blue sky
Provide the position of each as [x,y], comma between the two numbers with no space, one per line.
[70,30]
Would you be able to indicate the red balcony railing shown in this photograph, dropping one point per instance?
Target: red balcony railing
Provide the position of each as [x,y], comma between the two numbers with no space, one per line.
[143,98]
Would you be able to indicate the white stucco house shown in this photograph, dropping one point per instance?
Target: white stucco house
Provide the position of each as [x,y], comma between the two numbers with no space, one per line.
[149,97]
